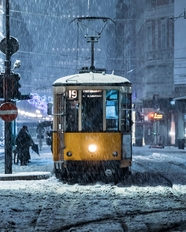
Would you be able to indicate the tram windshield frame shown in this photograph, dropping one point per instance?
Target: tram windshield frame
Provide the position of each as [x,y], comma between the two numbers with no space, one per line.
[96,110]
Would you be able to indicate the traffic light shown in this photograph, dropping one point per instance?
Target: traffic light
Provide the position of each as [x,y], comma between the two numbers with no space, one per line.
[14,92]
[49,108]
[9,86]
[151,116]
[1,85]
[141,117]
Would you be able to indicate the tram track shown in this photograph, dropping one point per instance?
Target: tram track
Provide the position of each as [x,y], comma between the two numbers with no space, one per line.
[167,223]
[125,220]
[156,172]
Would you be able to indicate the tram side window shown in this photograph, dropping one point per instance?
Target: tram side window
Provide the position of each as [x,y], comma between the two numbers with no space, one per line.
[126,120]
[60,109]
[126,100]
[72,111]
[112,110]
[92,110]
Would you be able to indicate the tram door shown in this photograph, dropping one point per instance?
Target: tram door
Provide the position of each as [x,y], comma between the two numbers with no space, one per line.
[126,117]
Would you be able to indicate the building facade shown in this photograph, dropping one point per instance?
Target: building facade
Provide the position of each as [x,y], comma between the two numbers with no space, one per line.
[143,43]
[151,62]
[155,70]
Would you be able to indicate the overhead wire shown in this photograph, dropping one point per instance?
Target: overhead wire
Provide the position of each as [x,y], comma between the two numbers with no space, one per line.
[65,17]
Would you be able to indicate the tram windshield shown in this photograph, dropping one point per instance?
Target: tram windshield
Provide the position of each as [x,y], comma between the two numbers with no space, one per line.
[92,110]
[96,114]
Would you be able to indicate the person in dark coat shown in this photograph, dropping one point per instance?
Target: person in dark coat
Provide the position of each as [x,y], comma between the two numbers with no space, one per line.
[49,139]
[23,142]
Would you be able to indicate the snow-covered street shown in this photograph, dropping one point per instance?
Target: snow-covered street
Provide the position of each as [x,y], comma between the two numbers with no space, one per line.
[151,199]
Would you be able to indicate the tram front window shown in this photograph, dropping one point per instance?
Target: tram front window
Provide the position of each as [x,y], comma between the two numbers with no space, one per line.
[112,110]
[92,110]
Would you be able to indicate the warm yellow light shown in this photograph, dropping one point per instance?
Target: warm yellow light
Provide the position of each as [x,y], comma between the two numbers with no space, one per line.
[92,147]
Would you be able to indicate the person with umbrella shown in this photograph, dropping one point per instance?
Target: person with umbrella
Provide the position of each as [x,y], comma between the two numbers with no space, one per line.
[24,141]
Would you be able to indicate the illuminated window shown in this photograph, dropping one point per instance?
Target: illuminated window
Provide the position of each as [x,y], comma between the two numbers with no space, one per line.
[112,110]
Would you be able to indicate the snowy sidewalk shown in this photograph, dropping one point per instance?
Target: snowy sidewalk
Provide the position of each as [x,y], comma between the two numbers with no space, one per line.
[166,149]
[40,167]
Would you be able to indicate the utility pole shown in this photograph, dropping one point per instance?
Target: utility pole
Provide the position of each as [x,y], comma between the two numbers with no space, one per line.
[8,125]
[9,82]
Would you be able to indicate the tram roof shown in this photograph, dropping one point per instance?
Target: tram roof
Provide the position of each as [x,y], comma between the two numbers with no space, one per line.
[91,79]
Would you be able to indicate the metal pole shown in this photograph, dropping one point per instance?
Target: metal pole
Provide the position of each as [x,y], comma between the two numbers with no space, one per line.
[92,53]
[8,125]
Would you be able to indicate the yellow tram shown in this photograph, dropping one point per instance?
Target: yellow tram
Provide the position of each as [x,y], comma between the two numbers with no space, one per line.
[92,126]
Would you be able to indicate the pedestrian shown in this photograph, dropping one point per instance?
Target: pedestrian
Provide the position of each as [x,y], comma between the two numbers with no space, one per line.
[23,142]
[40,134]
[49,138]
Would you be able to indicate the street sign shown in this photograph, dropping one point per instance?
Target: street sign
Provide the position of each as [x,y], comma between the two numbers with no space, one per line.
[13,45]
[156,115]
[8,111]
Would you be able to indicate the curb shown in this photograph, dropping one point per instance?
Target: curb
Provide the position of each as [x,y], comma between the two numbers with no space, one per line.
[165,149]
[26,176]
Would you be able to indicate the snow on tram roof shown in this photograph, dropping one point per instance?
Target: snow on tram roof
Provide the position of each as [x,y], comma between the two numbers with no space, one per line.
[90,78]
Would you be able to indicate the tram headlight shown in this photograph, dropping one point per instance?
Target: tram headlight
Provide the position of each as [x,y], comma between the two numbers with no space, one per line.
[92,148]
[69,153]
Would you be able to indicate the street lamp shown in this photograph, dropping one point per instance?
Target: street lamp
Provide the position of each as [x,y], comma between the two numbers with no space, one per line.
[17,64]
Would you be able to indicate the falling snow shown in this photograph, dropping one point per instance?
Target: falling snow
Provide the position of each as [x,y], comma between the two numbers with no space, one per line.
[151,199]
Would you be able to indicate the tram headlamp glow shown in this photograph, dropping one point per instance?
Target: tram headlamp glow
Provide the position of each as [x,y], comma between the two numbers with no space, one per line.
[69,153]
[92,147]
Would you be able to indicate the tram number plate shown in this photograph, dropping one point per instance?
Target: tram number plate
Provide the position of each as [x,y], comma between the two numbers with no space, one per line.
[72,94]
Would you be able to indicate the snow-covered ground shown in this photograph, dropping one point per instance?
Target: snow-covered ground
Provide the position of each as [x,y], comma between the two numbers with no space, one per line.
[39,163]
[151,199]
